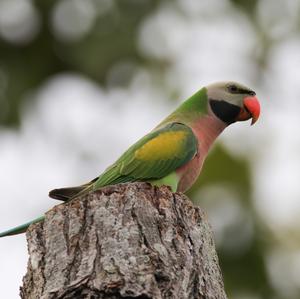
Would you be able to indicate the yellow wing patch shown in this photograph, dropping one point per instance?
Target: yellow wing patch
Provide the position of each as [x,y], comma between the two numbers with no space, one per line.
[163,146]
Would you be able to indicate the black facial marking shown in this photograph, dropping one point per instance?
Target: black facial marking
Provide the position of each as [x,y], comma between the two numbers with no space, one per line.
[232,88]
[225,111]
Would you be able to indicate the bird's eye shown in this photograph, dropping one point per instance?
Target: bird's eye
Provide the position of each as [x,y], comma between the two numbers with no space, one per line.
[232,89]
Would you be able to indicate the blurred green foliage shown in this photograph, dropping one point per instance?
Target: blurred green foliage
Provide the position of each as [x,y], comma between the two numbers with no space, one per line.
[242,272]
[111,40]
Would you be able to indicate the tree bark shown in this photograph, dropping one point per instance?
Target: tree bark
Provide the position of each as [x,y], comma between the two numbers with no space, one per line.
[124,241]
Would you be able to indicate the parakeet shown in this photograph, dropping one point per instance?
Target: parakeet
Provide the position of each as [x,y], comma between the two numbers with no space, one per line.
[174,151]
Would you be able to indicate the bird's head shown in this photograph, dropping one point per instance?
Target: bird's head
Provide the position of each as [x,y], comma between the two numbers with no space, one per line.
[231,102]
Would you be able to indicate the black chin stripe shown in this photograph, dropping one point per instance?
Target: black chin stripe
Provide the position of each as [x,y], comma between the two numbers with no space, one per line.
[225,111]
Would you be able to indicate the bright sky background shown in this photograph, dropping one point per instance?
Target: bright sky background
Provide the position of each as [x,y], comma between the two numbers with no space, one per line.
[73,128]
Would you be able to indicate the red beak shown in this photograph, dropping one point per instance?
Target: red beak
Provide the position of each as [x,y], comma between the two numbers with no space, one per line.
[251,109]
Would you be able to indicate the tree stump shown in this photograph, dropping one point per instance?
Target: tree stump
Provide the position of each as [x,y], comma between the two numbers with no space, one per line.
[124,241]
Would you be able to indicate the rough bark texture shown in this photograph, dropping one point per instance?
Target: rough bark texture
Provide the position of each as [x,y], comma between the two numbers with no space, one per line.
[124,241]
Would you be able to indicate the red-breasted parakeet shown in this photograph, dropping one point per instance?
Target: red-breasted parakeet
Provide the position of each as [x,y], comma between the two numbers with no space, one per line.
[173,152]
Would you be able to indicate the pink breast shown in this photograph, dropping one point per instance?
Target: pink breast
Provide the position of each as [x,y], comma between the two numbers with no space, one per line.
[189,172]
[207,130]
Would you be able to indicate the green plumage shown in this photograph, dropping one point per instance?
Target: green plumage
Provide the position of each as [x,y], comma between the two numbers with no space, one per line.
[129,168]
[166,155]
[21,228]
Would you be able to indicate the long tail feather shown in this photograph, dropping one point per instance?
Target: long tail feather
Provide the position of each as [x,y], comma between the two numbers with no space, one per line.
[21,228]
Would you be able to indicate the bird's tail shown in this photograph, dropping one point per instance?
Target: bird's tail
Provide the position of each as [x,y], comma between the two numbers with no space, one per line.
[21,228]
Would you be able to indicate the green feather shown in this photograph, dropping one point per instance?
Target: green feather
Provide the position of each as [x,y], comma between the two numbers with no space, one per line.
[190,110]
[21,228]
[130,168]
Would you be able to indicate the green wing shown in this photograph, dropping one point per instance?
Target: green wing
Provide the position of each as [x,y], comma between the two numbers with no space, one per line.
[153,157]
